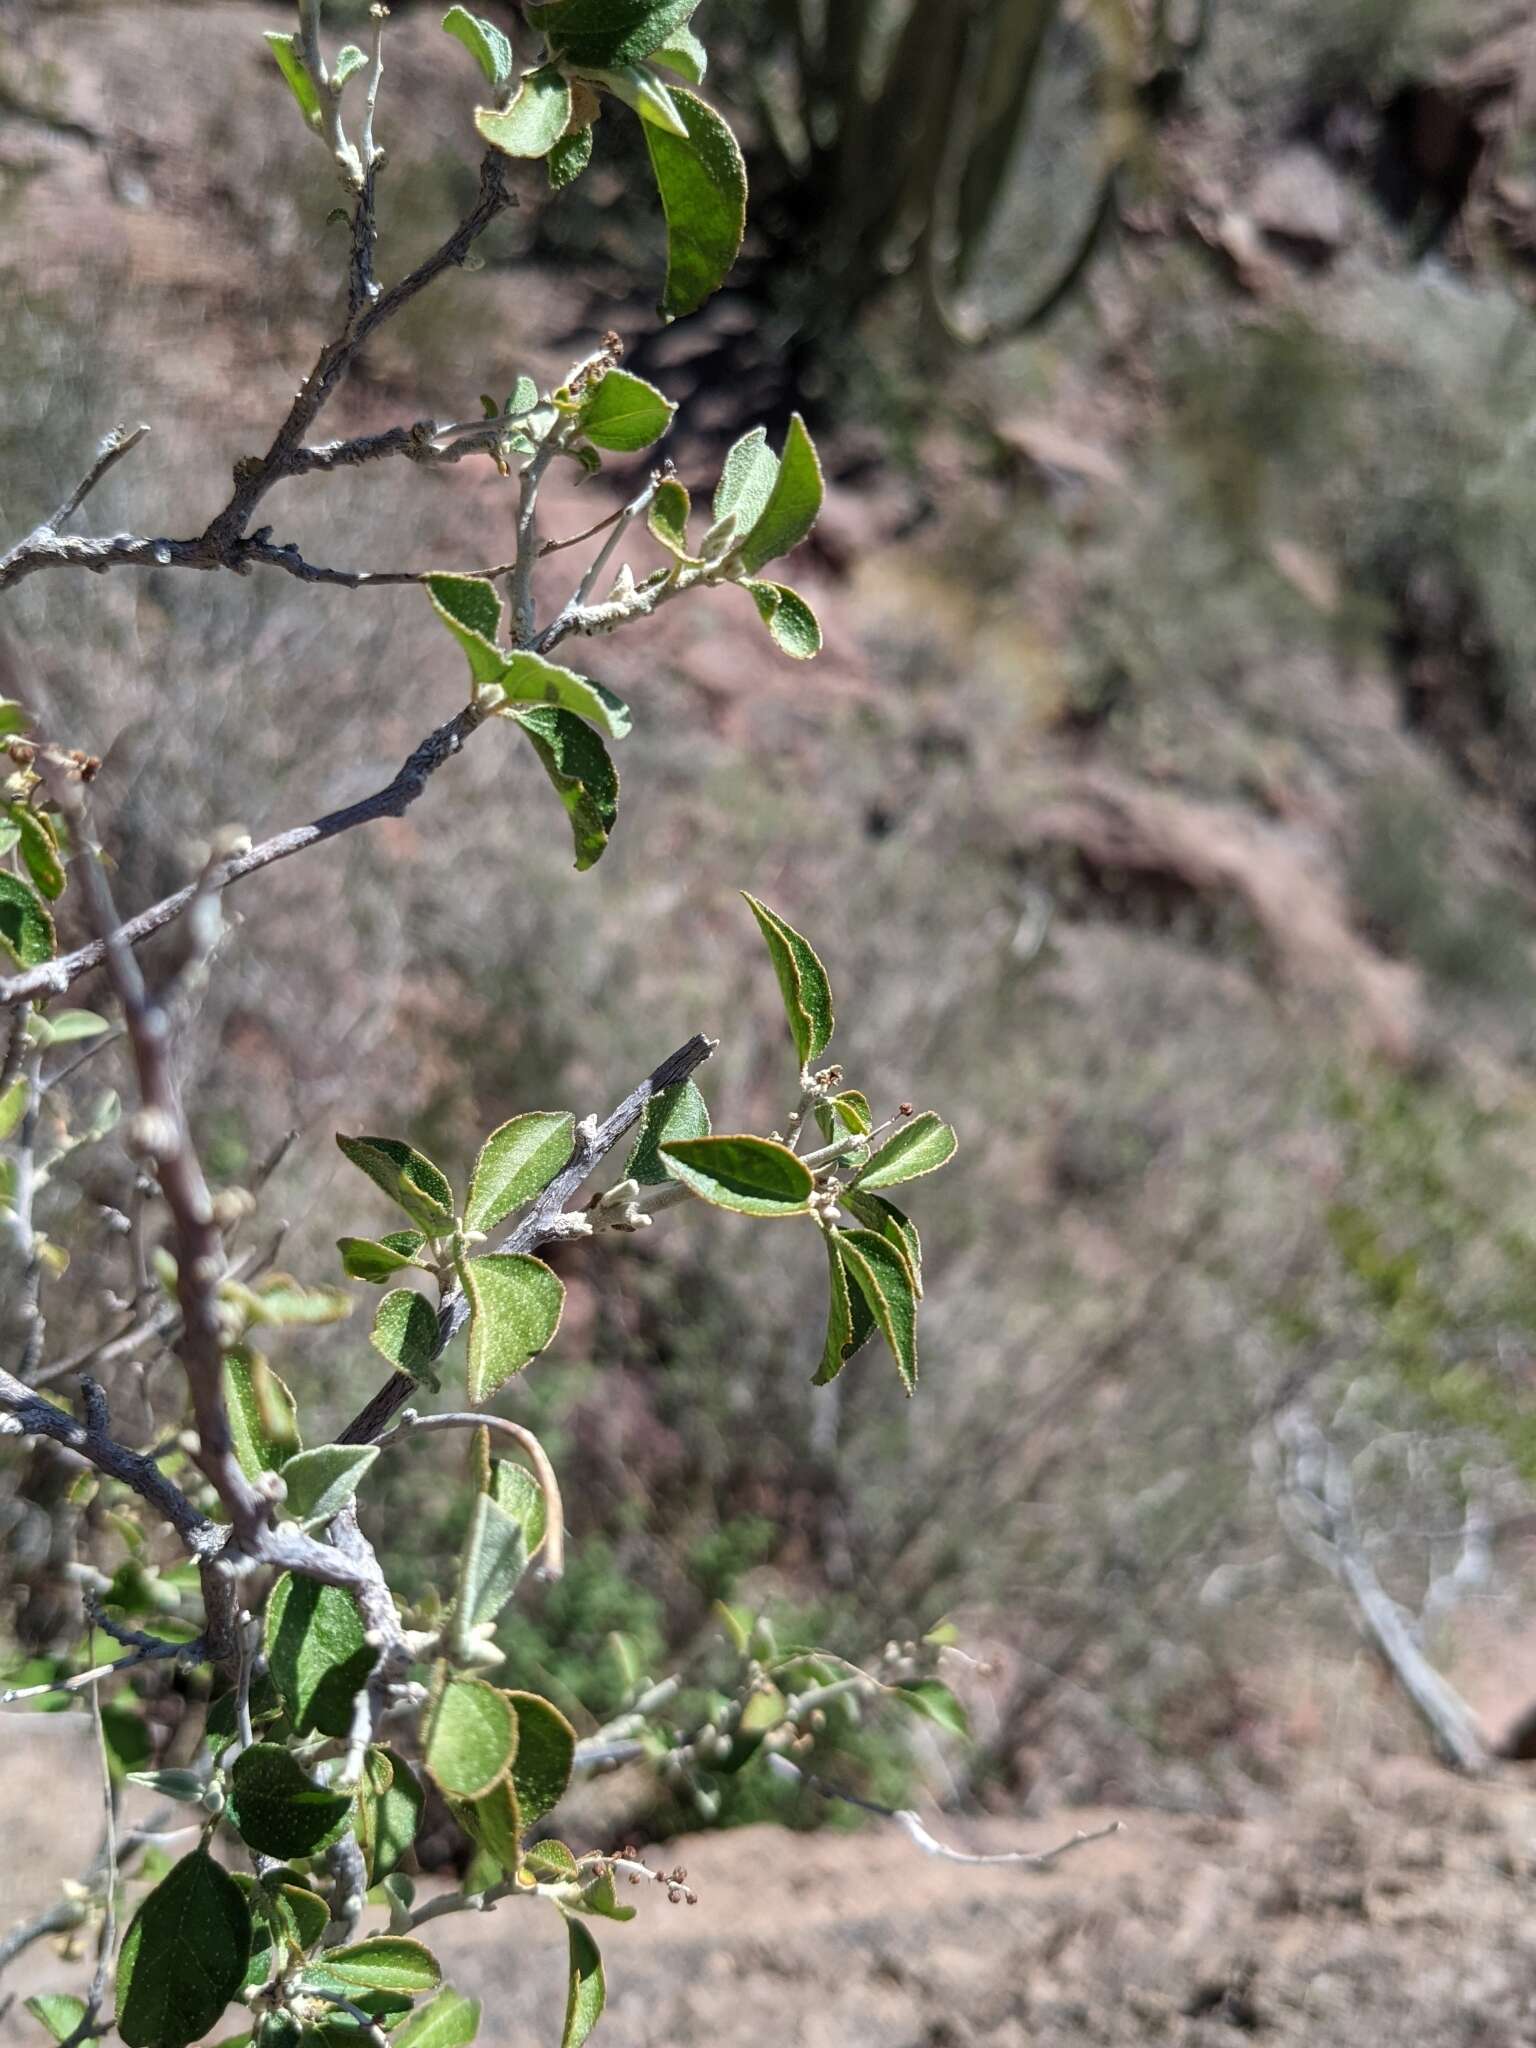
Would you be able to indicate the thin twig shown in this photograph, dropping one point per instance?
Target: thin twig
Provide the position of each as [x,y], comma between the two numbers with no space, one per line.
[114,446]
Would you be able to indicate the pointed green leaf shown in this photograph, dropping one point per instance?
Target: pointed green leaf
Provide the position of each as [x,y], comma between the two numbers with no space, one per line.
[677,1112]
[747,480]
[406,1176]
[517,1162]
[321,1482]
[599,1897]
[846,1115]
[26,929]
[921,1146]
[389,1805]
[668,517]
[586,1993]
[703,187]
[493,1560]
[450,2021]
[604,32]
[405,1332]
[471,1738]
[515,1303]
[569,158]
[849,1321]
[484,42]
[276,1808]
[183,1957]
[385,1962]
[577,764]
[379,1259]
[530,679]
[793,503]
[795,628]
[280,1301]
[471,610]
[61,2014]
[546,1754]
[40,851]
[67,1027]
[879,1271]
[683,53]
[935,1702]
[262,1418]
[316,1654]
[290,61]
[802,982]
[753,1176]
[539,114]
[639,88]
[886,1220]
[517,1493]
[623,413]
[494,1823]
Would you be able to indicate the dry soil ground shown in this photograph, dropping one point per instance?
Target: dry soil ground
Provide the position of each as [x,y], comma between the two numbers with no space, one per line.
[1393,1908]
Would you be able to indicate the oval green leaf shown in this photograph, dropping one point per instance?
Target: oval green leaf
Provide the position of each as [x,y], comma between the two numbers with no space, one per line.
[471,1738]
[484,41]
[677,1112]
[879,1271]
[586,1993]
[539,114]
[276,1808]
[753,1176]
[26,929]
[450,2021]
[600,33]
[530,679]
[321,1482]
[793,503]
[316,1654]
[703,185]
[795,628]
[584,779]
[802,982]
[183,1957]
[379,1259]
[406,1176]
[405,1332]
[921,1146]
[515,1304]
[623,413]
[546,1753]
[385,1962]
[517,1162]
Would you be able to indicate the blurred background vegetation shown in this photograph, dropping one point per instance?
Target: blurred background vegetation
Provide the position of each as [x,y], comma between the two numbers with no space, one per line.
[1162,807]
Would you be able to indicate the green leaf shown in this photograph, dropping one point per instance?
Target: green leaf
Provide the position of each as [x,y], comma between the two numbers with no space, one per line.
[600,1898]
[283,1302]
[12,718]
[793,503]
[263,1420]
[703,187]
[348,59]
[530,679]
[668,518]
[847,1115]
[484,42]
[569,158]
[316,1654]
[321,1482]
[469,607]
[747,480]
[276,1808]
[494,1823]
[515,1304]
[126,1738]
[493,1560]
[539,114]
[921,1146]
[546,1753]
[290,61]
[795,628]
[639,87]
[879,1271]
[471,1738]
[40,851]
[677,1112]
[883,1217]
[517,1162]
[577,763]
[601,33]
[850,1323]
[623,413]
[379,1259]
[517,1493]
[753,1176]
[586,1993]
[802,982]
[935,1702]
[26,929]
[13,1106]
[405,1332]
[61,2014]
[385,1962]
[406,1176]
[683,53]
[389,1804]
[450,2021]
[67,1027]
[183,1957]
